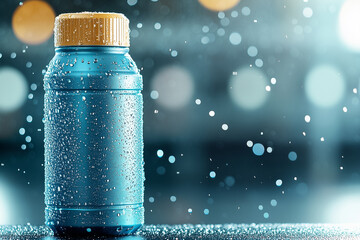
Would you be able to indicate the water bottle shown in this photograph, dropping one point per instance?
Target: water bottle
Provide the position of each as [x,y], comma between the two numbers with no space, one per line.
[94,168]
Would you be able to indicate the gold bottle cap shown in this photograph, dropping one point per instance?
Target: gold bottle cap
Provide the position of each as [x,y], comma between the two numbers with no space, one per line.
[91,29]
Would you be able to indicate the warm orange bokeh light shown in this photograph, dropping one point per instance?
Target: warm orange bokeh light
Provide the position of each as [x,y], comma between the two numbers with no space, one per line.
[219,5]
[33,22]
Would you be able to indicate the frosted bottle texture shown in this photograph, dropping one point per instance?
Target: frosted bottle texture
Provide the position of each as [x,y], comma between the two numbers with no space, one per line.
[94,177]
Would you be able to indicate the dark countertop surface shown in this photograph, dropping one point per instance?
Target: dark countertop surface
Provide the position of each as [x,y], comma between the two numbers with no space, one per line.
[216,231]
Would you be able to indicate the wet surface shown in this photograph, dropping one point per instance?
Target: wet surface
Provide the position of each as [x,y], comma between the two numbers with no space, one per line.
[219,231]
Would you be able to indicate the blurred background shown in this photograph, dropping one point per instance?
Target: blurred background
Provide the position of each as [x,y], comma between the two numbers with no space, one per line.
[251,107]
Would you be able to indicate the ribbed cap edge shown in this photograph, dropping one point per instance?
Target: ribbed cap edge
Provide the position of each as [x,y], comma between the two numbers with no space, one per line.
[91,28]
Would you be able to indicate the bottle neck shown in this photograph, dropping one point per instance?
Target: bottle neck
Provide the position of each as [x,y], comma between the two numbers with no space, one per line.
[103,49]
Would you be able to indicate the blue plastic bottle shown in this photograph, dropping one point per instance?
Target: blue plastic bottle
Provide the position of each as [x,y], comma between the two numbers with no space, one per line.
[94,177]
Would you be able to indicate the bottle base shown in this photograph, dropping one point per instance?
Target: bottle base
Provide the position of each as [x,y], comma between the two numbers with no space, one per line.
[94,231]
[105,220]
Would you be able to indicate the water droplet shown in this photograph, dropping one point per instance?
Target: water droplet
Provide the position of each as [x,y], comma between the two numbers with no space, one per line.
[22,131]
[160,153]
[225,127]
[171,159]
[28,139]
[33,86]
[29,118]
[174,53]
[154,94]
[132,2]
[273,203]
[157,26]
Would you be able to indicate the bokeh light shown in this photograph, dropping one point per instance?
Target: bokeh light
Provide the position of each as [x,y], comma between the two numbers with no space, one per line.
[349,24]
[252,51]
[219,5]
[33,22]
[229,181]
[344,209]
[13,89]
[247,88]
[235,38]
[246,11]
[258,149]
[307,12]
[161,170]
[292,156]
[175,86]
[324,86]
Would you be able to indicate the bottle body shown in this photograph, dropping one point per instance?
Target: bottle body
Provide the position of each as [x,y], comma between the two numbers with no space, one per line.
[94,177]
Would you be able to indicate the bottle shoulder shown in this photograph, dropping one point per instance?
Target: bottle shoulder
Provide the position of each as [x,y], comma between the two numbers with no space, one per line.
[93,61]
[96,69]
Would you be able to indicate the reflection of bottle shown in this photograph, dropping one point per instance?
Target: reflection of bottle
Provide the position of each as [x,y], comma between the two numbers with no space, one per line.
[93,128]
